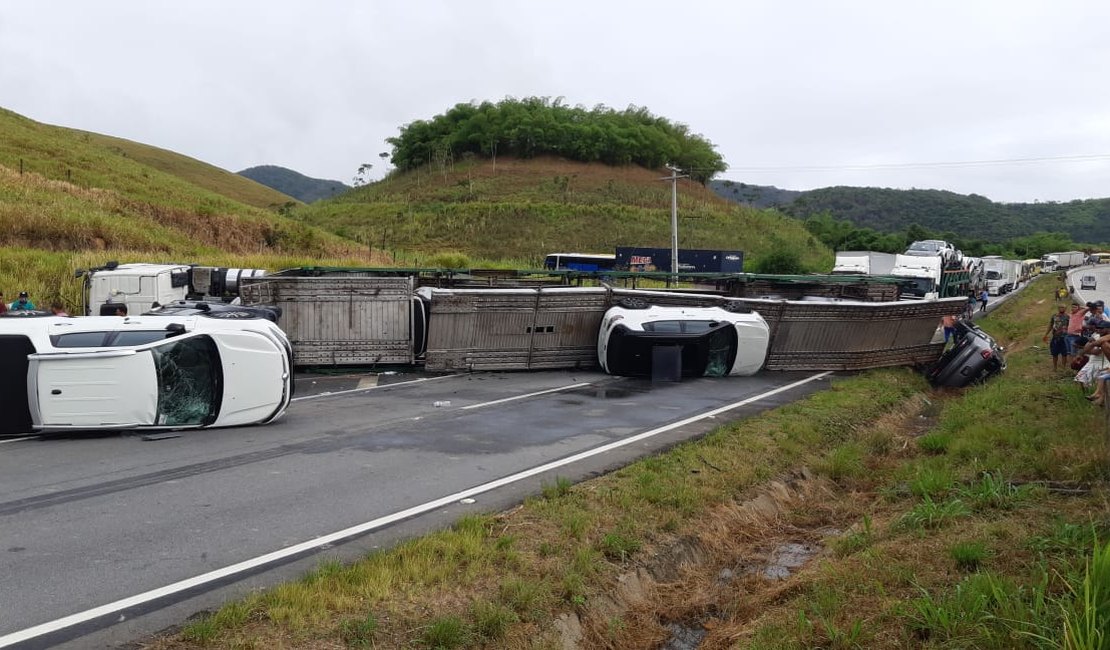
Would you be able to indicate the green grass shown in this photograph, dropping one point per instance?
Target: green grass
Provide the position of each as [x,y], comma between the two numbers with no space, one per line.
[968,555]
[945,548]
[519,211]
[445,633]
[80,193]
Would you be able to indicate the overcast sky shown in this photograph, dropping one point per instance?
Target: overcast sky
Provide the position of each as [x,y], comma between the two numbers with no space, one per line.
[794,94]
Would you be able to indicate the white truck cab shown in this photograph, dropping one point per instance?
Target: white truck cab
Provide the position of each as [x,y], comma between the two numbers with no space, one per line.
[139,286]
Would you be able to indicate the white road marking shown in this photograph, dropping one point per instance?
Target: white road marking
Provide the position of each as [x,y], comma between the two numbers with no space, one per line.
[367,388]
[526,395]
[332,538]
[17,439]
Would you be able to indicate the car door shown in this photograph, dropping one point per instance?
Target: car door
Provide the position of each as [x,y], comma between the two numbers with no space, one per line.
[101,389]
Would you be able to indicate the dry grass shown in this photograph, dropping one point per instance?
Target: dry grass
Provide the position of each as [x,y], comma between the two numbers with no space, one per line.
[526,209]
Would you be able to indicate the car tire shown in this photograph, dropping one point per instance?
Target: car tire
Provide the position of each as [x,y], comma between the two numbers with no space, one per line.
[737,307]
[633,303]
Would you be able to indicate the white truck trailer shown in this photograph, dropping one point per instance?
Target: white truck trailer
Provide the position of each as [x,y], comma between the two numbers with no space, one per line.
[863,263]
[1066,260]
[1002,275]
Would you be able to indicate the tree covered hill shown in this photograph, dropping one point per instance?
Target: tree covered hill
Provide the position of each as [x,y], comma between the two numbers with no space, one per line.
[969,215]
[303,188]
[537,126]
[757,196]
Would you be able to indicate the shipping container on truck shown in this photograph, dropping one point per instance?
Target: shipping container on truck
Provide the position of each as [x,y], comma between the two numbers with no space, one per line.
[690,260]
[1067,259]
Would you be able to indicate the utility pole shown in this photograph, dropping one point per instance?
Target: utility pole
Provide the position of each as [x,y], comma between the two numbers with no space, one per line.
[673,178]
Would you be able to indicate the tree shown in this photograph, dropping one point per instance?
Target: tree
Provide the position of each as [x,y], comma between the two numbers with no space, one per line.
[361,177]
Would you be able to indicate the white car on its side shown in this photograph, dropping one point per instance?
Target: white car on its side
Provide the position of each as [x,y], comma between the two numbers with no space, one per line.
[149,372]
[703,341]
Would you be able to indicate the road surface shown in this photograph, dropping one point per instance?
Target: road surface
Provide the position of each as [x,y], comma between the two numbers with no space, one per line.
[106,539]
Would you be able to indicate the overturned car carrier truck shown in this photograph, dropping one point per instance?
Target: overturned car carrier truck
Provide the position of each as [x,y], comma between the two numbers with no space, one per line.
[507,320]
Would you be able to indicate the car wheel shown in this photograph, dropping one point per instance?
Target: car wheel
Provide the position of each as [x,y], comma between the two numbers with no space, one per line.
[737,307]
[633,303]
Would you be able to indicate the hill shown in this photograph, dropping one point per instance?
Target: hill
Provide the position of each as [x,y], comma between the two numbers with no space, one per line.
[297,185]
[522,209]
[69,198]
[198,173]
[967,215]
[757,196]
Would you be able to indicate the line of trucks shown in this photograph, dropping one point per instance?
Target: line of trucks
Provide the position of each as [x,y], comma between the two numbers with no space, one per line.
[936,269]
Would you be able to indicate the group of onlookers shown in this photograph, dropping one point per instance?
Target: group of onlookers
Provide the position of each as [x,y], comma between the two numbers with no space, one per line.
[23,303]
[1079,340]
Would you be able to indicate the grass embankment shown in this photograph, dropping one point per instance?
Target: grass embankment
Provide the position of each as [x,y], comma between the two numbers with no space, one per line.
[525,209]
[83,199]
[947,519]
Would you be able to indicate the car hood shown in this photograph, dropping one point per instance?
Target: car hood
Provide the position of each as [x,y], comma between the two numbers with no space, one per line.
[255,378]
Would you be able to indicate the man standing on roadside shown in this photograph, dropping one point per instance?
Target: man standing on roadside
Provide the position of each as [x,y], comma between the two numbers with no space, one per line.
[1075,329]
[1058,329]
[983,298]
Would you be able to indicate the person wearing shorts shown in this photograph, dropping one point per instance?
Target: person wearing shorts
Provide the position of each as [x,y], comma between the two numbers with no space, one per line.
[1058,330]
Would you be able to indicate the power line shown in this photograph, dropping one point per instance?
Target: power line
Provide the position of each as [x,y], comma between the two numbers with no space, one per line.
[923,165]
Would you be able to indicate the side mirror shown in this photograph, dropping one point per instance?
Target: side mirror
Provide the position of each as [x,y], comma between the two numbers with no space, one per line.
[78,273]
[175,329]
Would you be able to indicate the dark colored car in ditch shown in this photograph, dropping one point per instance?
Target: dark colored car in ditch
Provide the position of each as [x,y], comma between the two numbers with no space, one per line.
[974,357]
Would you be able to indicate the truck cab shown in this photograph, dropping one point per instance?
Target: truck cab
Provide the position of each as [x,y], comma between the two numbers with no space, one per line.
[139,286]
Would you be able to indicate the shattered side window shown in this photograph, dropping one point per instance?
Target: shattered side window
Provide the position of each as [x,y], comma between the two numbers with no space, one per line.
[189,382]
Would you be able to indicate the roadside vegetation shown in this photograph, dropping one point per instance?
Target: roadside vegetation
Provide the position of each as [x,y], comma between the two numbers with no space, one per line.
[843,235]
[974,217]
[945,519]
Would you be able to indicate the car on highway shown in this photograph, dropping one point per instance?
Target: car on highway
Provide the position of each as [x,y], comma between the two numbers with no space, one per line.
[974,357]
[952,256]
[144,372]
[1088,282]
[642,340]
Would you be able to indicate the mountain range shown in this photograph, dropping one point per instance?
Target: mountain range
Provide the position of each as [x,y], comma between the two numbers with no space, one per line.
[893,210]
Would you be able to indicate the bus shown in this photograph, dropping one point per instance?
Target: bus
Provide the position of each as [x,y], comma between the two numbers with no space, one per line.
[1031,268]
[1099,258]
[579,262]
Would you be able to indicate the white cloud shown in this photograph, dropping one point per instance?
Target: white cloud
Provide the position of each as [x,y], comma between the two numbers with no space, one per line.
[318,86]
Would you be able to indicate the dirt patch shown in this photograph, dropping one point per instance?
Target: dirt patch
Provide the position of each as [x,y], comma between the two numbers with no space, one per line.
[673,597]
[701,590]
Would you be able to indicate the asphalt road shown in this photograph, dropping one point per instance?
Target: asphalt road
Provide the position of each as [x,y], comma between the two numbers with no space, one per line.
[107,539]
[1102,284]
